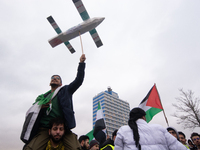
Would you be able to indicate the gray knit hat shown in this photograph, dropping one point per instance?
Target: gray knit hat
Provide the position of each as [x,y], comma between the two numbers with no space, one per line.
[93,142]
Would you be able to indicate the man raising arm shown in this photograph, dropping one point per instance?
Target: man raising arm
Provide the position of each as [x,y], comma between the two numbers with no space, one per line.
[56,103]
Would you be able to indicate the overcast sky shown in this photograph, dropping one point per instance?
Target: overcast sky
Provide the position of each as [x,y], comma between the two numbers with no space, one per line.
[145,42]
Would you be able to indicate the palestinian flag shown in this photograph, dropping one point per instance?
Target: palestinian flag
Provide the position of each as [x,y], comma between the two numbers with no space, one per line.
[151,104]
[100,126]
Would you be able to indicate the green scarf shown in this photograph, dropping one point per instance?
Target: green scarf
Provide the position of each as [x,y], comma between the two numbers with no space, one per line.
[43,100]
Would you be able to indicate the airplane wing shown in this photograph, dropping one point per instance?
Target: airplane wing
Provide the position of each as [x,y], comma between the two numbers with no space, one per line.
[84,15]
[58,30]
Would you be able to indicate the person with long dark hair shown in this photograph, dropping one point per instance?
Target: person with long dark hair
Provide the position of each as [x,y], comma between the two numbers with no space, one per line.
[139,135]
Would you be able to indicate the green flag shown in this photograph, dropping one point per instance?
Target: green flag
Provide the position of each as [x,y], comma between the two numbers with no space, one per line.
[90,135]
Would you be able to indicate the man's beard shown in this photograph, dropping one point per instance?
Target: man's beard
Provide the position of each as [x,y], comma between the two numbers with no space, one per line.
[84,147]
[53,85]
[55,140]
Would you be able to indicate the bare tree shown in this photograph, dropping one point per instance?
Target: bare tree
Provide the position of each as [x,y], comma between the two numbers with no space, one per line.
[187,110]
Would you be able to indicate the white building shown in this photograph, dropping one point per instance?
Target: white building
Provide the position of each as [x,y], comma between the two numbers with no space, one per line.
[116,111]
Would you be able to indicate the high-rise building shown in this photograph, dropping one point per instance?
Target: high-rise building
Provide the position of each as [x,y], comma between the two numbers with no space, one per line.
[116,111]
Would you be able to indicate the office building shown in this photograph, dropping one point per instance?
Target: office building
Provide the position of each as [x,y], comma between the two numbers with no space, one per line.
[116,111]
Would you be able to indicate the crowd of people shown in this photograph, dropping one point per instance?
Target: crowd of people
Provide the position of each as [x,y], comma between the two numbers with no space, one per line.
[49,122]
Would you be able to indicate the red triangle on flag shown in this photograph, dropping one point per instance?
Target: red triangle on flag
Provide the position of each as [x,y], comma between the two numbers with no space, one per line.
[154,99]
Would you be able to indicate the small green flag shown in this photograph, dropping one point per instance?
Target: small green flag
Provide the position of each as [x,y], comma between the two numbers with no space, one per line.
[90,135]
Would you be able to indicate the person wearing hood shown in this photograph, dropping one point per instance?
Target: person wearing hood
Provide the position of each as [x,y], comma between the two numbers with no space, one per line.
[173,132]
[191,145]
[100,137]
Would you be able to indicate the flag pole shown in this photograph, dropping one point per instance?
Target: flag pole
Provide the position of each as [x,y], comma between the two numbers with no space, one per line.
[165,117]
[162,107]
[81,42]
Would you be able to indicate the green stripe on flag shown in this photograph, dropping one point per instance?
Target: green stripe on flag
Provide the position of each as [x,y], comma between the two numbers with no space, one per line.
[99,106]
[90,135]
[151,112]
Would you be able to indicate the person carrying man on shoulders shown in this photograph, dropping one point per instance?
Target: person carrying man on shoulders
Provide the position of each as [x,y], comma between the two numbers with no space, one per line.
[56,133]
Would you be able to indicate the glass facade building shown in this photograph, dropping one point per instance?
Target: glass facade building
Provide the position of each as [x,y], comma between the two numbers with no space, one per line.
[116,111]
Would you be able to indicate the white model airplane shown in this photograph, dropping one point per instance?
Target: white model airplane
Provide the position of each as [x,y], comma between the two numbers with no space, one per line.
[89,24]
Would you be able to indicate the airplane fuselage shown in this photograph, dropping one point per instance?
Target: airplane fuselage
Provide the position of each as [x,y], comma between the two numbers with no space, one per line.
[75,31]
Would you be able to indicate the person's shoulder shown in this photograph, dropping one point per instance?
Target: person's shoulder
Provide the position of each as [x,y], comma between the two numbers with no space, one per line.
[108,141]
[62,89]
[123,129]
[64,86]
[158,127]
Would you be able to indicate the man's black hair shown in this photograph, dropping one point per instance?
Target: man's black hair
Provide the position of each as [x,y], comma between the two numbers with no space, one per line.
[56,121]
[114,133]
[194,134]
[83,138]
[181,133]
[58,76]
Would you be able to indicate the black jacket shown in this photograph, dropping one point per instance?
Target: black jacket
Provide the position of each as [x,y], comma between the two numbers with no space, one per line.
[65,97]
[107,142]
